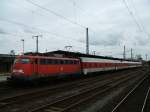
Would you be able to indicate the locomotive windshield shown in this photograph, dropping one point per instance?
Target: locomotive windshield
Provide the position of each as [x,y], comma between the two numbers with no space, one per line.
[22,60]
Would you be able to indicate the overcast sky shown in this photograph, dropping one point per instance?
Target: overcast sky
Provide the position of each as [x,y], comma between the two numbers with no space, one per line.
[112,24]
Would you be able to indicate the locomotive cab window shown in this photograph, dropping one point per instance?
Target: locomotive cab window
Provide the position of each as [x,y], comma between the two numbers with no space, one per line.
[22,60]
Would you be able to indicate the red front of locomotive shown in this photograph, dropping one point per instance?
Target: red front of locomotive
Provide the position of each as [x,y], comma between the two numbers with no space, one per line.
[22,67]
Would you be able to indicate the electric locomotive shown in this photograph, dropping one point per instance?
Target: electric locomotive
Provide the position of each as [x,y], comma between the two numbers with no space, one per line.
[34,67]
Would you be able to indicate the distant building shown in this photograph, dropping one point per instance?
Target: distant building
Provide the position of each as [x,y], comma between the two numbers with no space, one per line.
[6,62]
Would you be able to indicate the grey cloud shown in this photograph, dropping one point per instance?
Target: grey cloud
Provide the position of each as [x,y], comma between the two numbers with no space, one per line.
[143,41]
[110,20]
[28,30]
[2,31]
[107,42]
[104,40]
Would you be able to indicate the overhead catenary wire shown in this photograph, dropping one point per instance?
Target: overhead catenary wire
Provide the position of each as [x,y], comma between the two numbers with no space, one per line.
[24,25]
[61,16]
[139,19]
[85,13]
[137,22]
[132,15]
[56,14]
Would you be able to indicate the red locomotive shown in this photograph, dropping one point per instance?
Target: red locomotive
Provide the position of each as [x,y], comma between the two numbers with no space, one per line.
[35,67]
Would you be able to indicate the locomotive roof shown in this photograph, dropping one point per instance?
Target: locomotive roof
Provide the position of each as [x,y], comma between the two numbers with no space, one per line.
[50,57]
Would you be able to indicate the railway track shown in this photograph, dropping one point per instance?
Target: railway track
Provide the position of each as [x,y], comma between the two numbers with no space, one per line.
[68,103]
[8,90]
[15,103]
[137,99]
[12,103]
[6,102]
[6,87]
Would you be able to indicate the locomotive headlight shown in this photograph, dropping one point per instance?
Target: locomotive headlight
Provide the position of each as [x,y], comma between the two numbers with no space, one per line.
[19,70]
[14,70]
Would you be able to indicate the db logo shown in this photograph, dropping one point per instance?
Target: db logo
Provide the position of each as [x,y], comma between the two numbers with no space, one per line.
[61,68]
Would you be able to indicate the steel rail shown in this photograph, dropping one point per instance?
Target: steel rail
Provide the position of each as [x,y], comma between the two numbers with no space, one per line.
[145,100]
[129,93]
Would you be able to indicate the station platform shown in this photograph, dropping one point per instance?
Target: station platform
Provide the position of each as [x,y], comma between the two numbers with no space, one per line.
[3,77]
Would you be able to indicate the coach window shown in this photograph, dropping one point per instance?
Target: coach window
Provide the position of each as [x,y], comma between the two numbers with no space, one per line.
[65,61]
[42,61]
[69,62]
[75,62]
[54,61]
[61,62]
[72,62]
[58,61]
[49,61]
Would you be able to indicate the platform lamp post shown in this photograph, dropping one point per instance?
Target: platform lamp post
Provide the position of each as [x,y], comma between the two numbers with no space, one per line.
[22,46]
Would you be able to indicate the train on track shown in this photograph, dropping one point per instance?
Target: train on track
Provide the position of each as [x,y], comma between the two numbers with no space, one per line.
[28,67]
